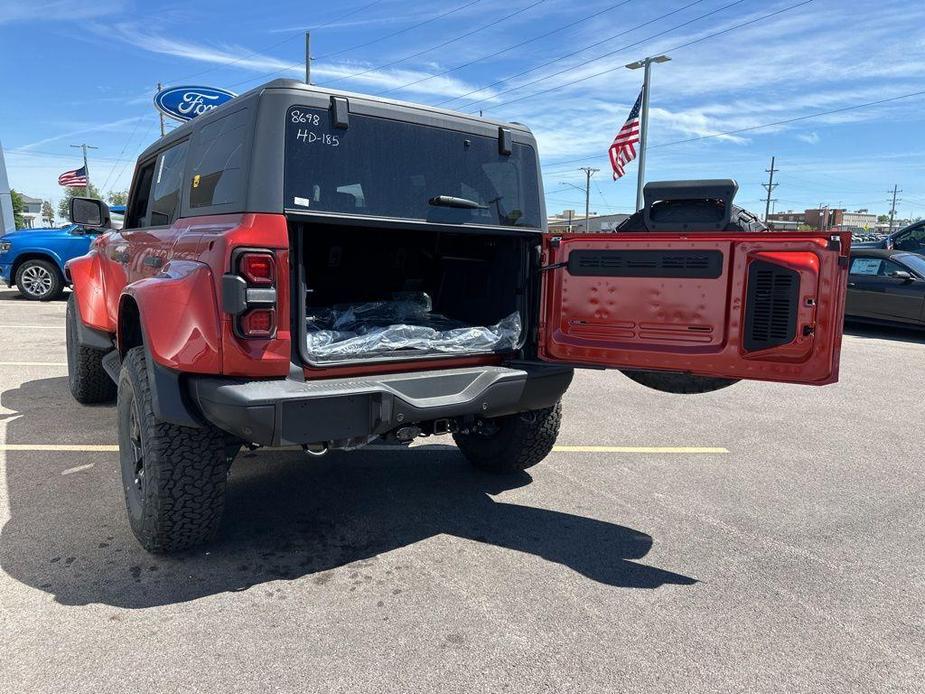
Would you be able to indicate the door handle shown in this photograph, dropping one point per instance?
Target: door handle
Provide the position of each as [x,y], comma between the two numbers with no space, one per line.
[852,284]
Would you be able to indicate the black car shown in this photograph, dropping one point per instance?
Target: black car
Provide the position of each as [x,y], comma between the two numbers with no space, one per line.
[886,287]
[910,238]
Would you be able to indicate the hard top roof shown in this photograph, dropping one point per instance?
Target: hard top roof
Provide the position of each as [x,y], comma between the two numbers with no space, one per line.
[253,95]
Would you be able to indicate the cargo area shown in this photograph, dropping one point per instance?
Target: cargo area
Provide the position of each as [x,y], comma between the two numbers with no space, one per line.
[387,294]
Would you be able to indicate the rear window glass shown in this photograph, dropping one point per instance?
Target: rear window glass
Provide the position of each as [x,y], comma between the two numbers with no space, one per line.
[388,168]
[216,175]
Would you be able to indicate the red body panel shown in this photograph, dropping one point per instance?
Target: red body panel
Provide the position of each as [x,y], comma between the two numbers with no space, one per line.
[695,325]
[90,291]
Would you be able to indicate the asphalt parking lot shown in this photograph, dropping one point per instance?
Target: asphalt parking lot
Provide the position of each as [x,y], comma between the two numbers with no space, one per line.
[763,538]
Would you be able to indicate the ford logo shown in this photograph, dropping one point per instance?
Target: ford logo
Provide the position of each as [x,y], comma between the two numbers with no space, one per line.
[185,103]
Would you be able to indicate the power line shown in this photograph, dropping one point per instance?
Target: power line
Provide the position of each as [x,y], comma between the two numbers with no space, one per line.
[505,50]
[280,42]
[648,38]
[363,45]
[124,147]
[565,56]
[757,127]
[401,31]
[439,45]
[792,120]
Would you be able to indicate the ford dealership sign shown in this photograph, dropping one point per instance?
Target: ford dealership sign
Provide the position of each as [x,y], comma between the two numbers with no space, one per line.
[185,103]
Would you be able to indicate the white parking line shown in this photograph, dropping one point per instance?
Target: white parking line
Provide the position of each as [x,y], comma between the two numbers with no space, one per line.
[72,470]
[57,326]
[34,363]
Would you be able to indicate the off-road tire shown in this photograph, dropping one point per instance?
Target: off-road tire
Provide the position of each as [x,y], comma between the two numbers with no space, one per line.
[519,441]
[48,271]
[679,383]
[178,499]
[87,379]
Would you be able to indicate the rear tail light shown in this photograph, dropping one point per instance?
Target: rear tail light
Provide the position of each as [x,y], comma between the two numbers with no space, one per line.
[249,293]
[259,269]
[258,322]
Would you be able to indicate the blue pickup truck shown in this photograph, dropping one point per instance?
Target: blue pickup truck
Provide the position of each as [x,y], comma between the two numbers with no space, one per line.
[33,259]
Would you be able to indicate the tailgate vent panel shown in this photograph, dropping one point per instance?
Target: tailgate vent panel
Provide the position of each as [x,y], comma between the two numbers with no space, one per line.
[771,305]
[649,263]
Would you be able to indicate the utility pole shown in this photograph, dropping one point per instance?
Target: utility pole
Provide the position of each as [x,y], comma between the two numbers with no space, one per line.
[589,172]
[769,186]
[308,57]
[823,217]
[644,120]
[84,147]
[570,221]
[893,205]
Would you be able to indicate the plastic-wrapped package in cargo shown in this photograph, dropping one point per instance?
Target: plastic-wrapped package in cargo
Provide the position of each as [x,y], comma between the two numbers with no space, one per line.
[407,322]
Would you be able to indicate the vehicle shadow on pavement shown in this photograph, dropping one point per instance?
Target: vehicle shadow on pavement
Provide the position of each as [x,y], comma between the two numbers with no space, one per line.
[879,332]
[287,516]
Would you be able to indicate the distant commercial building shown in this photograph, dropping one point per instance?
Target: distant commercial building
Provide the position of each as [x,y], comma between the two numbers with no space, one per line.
[569,220]
[831,217]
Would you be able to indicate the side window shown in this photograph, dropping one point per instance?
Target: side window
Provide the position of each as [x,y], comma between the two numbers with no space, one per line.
[217,159]
[888,267]
[865,266]
[135,217]
[913,240]
[165,192]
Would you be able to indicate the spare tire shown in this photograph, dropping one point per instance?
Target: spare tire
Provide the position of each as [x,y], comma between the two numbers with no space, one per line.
[702,210]
[677,382]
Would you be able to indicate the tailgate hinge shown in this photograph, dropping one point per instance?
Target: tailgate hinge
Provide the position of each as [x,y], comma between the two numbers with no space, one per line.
[554,266]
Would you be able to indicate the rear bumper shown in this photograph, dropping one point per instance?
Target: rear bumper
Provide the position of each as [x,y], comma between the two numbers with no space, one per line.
[286,412]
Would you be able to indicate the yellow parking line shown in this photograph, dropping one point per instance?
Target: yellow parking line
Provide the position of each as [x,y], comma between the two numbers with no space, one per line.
[107,448]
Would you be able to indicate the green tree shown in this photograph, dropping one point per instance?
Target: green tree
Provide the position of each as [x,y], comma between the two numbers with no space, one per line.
[118,197]
[48,213]
[76,193]
[883,218]
[18,208]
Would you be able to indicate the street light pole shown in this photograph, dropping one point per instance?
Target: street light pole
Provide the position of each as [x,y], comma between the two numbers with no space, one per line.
[644,120]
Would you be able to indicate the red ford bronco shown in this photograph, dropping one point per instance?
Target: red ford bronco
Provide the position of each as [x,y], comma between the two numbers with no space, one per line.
[310,267]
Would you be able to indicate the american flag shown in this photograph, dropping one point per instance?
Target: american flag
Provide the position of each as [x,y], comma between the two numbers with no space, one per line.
[623,149]
[74,179]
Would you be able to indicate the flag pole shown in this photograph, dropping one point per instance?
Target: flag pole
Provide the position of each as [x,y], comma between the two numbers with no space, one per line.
[644,121]
[84,146]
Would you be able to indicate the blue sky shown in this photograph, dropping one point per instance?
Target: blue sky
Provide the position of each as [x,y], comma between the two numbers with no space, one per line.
[85,72]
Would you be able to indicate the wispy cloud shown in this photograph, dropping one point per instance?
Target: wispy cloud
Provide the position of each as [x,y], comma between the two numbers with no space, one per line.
[812,137]
[111,126]
[60,10]
[242,58]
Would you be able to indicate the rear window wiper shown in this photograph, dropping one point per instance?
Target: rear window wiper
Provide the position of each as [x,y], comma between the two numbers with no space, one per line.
[450,201]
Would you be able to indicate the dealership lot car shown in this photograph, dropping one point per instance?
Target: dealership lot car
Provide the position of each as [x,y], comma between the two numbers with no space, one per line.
[33,260]
[310,267]
[886,287]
